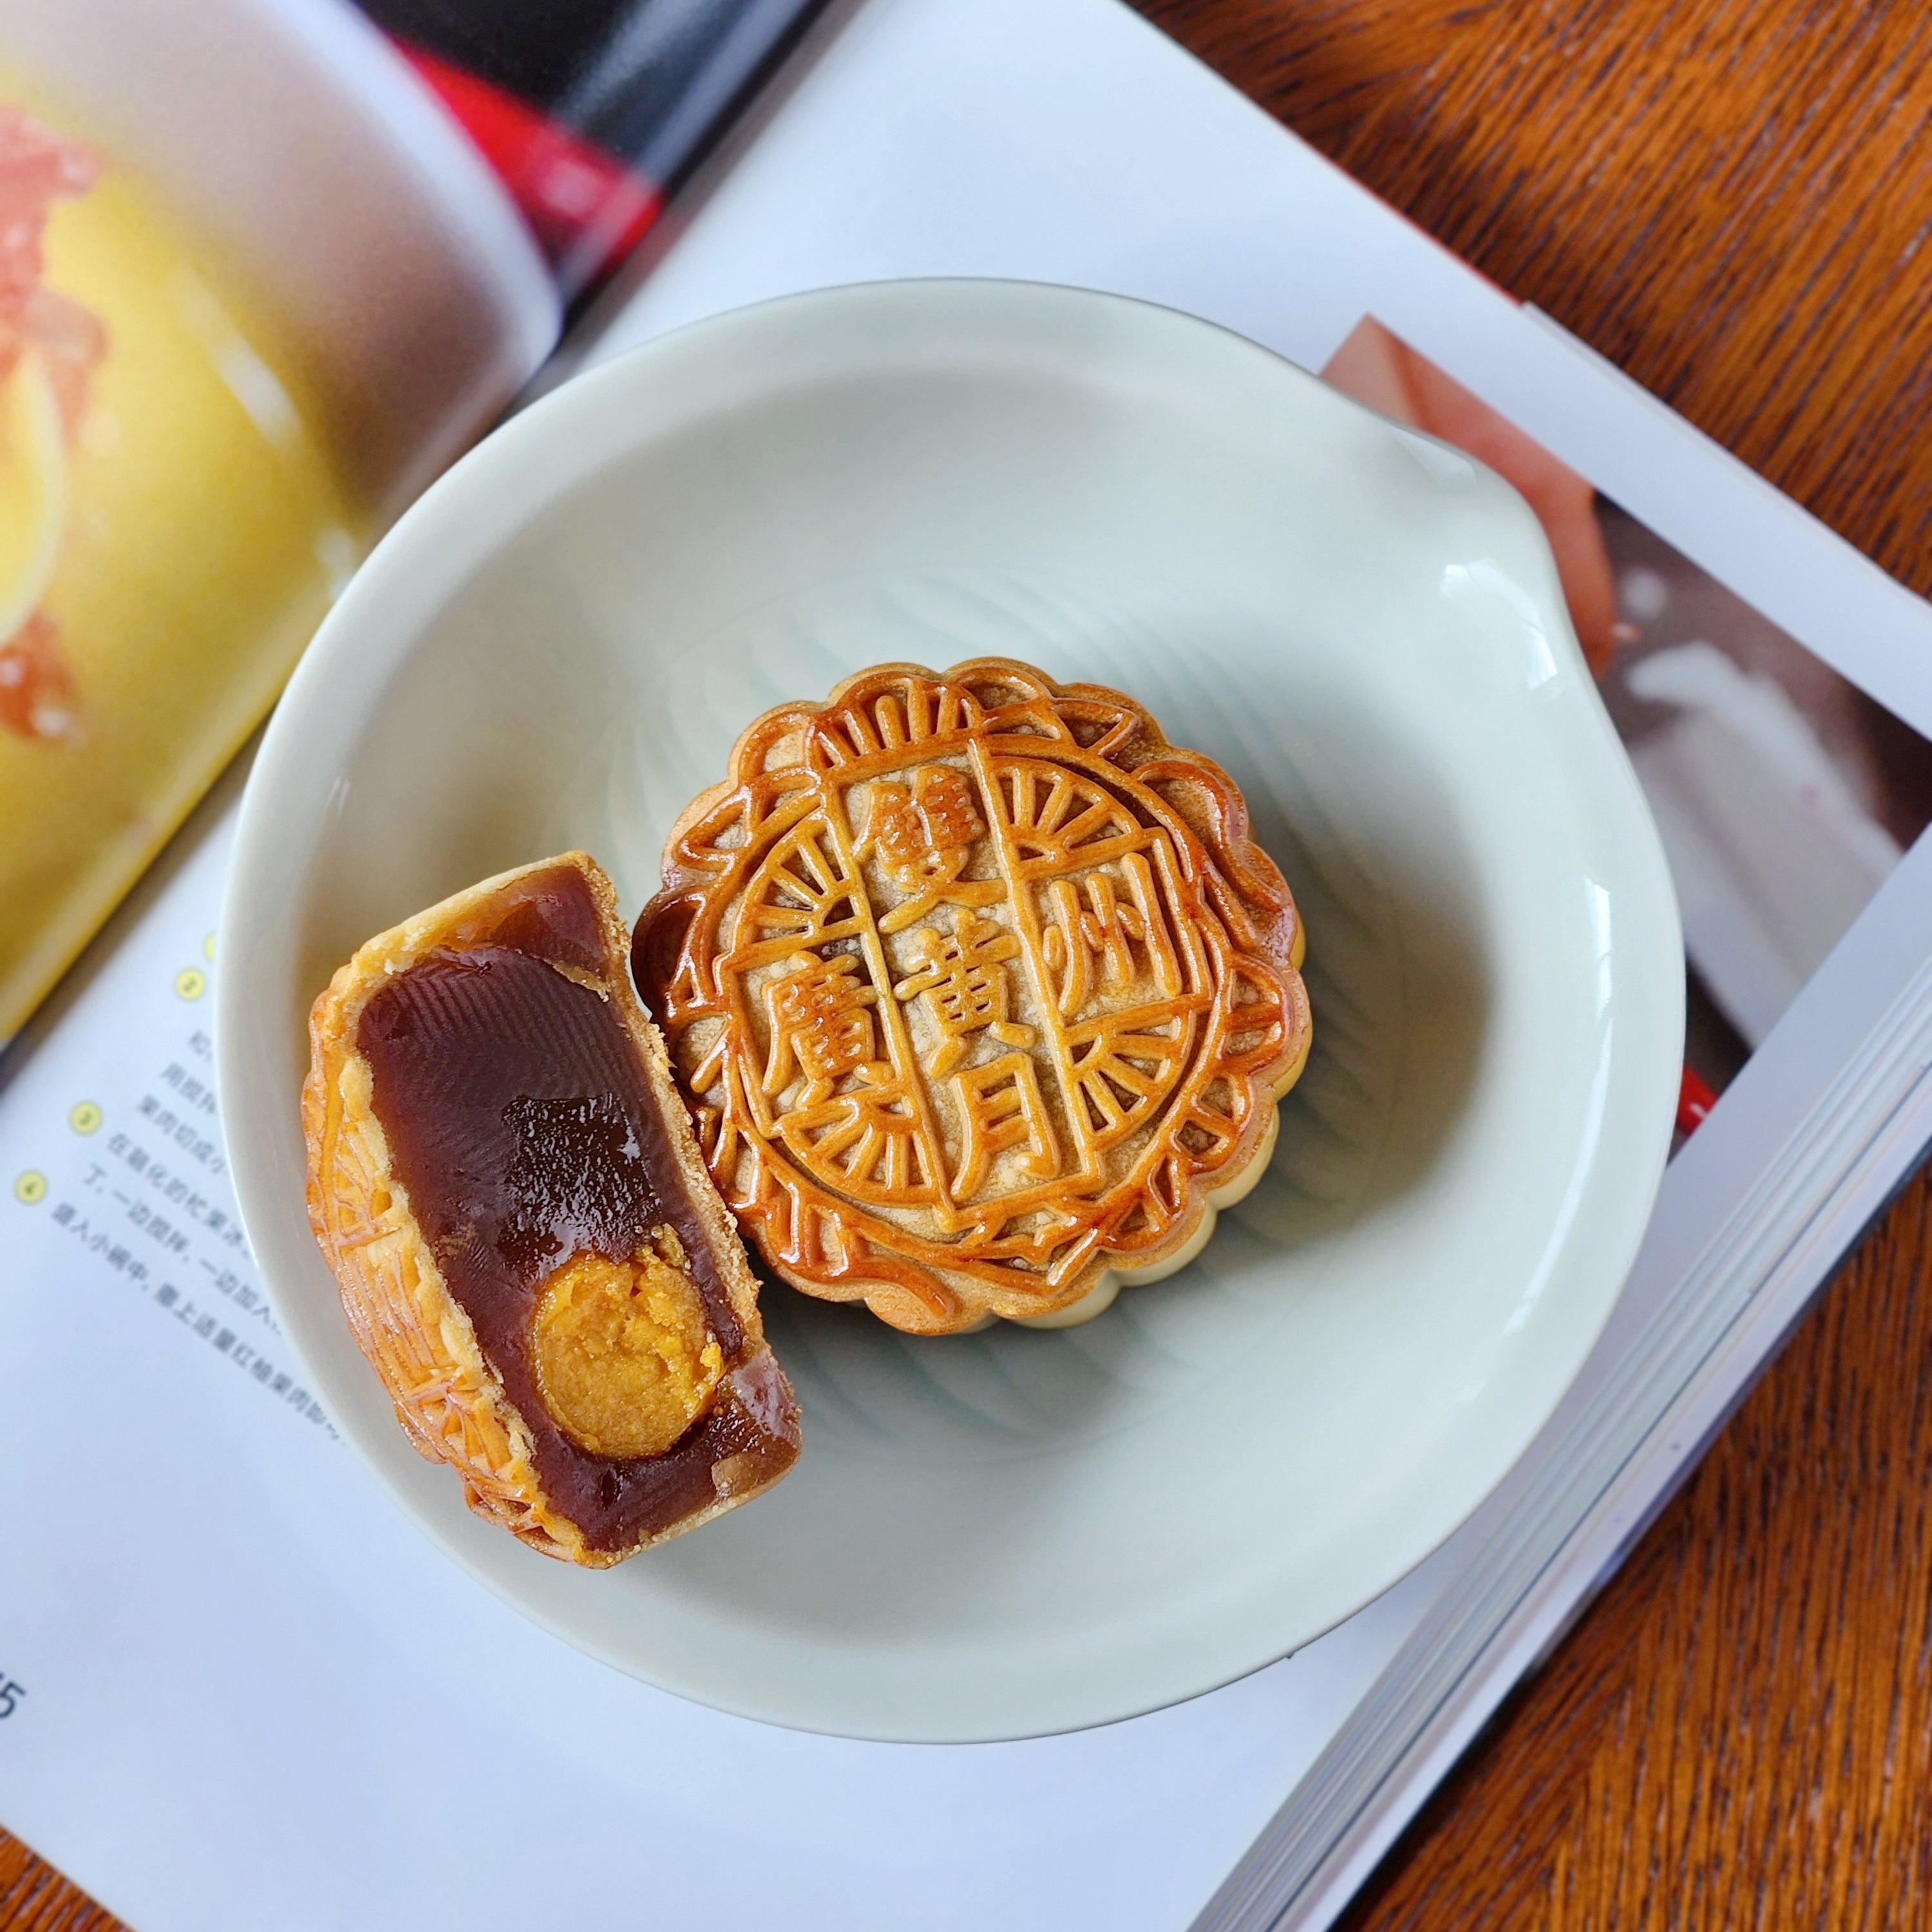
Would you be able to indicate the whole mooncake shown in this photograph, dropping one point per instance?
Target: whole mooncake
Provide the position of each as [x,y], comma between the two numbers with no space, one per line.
[980,993]
[529,1251]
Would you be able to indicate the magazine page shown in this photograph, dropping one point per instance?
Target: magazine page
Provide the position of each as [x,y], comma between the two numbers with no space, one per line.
[1785,794]
[265,270]
[224,240]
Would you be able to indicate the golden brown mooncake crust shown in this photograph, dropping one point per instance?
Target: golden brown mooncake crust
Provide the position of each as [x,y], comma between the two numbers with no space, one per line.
[450,1401]
[980,991]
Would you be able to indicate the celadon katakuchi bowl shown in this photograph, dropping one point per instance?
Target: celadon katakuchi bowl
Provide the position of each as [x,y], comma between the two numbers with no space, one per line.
[1016,1532]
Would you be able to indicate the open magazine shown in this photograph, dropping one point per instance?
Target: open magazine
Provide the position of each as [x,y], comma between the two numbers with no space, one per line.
[239,1687]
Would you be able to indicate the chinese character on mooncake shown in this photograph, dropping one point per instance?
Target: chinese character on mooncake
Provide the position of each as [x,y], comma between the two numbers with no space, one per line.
[979,991]
[504,1180]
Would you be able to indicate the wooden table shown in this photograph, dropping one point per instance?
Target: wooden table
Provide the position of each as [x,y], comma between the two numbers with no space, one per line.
[1732,200]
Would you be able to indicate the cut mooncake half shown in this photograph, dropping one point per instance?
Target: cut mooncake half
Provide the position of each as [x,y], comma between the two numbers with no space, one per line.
[530,1249]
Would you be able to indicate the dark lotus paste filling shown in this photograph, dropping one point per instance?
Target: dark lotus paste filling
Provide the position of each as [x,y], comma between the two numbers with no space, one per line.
[519,1119]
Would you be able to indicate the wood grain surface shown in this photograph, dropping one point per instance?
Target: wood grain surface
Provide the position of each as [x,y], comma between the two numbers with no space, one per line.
[1732,200]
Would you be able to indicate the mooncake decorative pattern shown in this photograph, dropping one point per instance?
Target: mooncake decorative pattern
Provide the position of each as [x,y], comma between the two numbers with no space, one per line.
[980,991]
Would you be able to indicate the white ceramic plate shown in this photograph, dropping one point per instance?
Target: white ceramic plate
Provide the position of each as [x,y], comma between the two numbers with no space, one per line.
[1018,1532]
